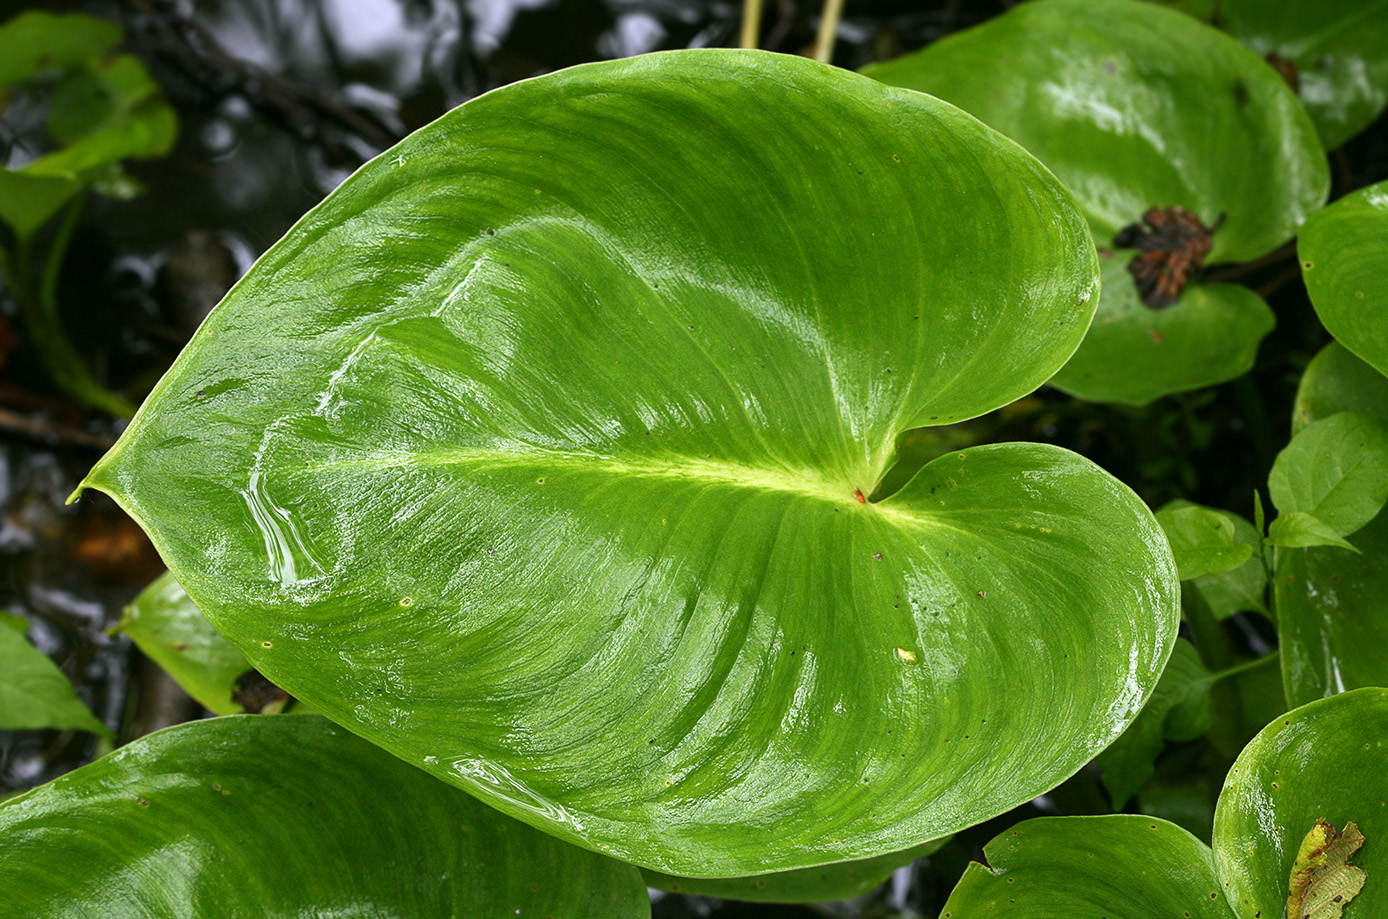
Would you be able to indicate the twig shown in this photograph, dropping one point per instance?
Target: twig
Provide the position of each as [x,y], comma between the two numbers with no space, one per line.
[751,24]
[828,30]
[1222,273]
[51,433]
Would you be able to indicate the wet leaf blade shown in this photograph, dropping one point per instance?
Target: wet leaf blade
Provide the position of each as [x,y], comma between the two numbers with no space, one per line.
[1121,866]
[168,627]
[558,498]
[203,810]
[1333,605]
[1322,761]
[1345,266]
[1335,470]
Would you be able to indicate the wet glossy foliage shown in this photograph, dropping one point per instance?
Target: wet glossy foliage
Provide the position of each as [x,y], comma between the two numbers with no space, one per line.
[649,470]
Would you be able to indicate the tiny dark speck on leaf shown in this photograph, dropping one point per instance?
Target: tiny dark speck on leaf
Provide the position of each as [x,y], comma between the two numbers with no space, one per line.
[202,394]
[1240,93]
[877,555]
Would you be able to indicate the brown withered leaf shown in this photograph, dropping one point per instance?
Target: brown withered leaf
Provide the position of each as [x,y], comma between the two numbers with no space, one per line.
[1171,245]
[1322,879]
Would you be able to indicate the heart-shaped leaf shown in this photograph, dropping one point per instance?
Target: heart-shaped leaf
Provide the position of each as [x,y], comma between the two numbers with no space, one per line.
[34,693]
[1335,470]
[1332,605]
[1323,761]
[281,818]
[537,453]
[1239,589]
[1337,51]
[1136,107]
[170,630]
[1120,866]
[1344,260]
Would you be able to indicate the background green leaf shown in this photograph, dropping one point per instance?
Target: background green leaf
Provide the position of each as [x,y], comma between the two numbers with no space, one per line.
[169,629]
[1179,710]
[1325,760]
[1241,589]
[1339,48]
[1203,541]
[1135,106]
[1119,866]
[280,818]
[35,42]
[1344,260]
[535,453]
[1332,605]
[821,884]
[34,693]
[1335,470]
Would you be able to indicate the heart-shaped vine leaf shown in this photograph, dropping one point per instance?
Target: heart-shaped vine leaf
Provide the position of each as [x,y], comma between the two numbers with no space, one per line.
[1344,260]
[1141,110]
[1332,605]
[1203,541]
[1323,761]
[171,631]
[823,883]
[281,818]
[1239,589]
[1335,472]
[34,693]
[1335,53]
[1120,866]
[537,455]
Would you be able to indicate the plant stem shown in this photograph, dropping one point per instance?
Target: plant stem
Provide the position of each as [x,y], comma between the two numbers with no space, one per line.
[828,30]
[751,24]
[44,326]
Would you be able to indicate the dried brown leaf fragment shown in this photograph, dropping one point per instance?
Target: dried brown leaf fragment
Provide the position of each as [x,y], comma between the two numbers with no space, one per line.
[1322,879]
[1171,242]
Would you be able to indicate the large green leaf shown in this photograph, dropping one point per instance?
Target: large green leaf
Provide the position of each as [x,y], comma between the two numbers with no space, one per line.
[1120,866]
[1339,49]
[1344,258]
[838,881]
[536,455]
[1323,761]
[1332,605]
[281,818]
[1134,106]
[34,693]
[171,631]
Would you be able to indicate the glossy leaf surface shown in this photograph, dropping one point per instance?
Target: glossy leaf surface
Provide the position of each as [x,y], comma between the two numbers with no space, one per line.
[1339,49]
[1325,760]
[34,693]
[1344,259]
[823,883]
[535,454]
[1135,354]
[1335,469]
[1120,866]
[171,631]
[1332,605]
[281,818]
[1135,106]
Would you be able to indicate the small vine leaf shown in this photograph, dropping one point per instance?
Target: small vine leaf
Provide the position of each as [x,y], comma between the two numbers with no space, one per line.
[1332,605]
[1203,541]
[1322,880]
[1335,470]
[1300,530]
